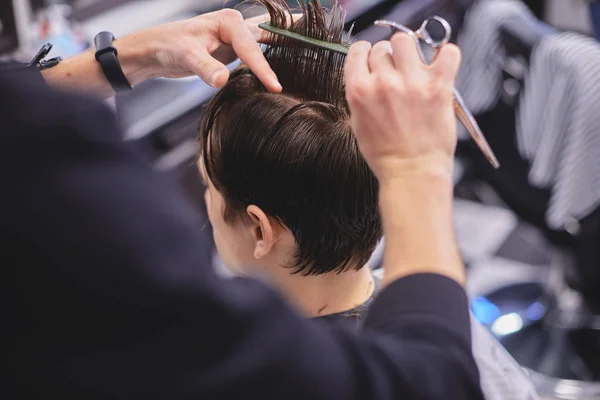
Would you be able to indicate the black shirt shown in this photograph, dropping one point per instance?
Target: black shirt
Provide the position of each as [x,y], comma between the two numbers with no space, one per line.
[354,317]
[107,289]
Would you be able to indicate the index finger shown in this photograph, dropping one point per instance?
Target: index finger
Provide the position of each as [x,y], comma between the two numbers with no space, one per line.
[356,66]
[233,30]
[253,23]
[261,35]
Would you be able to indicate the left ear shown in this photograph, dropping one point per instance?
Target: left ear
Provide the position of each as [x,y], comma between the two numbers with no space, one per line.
[263,230]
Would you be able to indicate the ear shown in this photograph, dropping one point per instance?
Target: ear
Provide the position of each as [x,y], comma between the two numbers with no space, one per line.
[263,230]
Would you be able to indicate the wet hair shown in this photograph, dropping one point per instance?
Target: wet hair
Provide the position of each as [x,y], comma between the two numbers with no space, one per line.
[293,154]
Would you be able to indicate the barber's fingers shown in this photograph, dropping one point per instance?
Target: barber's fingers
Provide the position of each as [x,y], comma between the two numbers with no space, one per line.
[208,68]
[380,59]
[356,70]
[406,57]
[255,21]
[261,35]
[234,31]
[252,24]
[357,61]
[446,64]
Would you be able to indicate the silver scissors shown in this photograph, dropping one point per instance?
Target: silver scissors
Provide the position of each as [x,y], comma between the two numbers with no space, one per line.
[435,32]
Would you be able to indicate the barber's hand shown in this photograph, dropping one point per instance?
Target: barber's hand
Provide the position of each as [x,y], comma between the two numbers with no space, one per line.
[402,112]
[201,46]
[404,122]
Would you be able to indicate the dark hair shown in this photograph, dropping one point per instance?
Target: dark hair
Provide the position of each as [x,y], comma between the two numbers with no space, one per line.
[293,154]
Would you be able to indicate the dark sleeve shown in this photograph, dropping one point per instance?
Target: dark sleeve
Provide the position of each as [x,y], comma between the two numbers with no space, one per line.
[108,292]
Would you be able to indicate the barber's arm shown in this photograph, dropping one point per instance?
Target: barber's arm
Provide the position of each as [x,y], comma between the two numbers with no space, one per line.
[404,123]
[406,129]
[197,46]
[109,282]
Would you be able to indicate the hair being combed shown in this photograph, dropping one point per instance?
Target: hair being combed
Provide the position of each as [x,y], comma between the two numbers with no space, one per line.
[293,154]
[291,59]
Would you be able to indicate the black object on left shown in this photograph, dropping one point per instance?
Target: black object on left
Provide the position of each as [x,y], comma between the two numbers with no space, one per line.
[38,62]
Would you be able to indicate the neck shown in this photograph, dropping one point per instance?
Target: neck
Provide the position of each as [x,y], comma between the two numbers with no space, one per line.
[325,294]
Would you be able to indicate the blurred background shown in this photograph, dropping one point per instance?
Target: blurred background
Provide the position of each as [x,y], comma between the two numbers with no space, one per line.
[529,232]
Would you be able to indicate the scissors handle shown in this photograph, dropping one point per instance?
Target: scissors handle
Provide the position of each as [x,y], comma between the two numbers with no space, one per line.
[435,31]
[442,37]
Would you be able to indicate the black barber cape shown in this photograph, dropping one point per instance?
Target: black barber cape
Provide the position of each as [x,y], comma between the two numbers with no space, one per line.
[108,291]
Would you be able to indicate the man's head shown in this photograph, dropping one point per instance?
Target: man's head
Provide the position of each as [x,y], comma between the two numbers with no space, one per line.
[285,175]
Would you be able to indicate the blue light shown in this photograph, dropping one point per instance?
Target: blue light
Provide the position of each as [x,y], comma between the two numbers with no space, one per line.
[536,311]
[484,311]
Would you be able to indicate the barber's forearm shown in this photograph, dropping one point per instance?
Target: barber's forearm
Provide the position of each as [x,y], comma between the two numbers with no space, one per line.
[198,46]
[417,220]
[83,73]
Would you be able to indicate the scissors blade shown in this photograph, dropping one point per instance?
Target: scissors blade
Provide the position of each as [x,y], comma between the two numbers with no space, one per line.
[471,125]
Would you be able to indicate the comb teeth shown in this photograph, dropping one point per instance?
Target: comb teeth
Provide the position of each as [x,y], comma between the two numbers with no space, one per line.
[338,48]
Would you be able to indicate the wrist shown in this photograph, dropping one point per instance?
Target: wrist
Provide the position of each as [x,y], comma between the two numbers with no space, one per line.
[432,167]
[432,178]
[135,57]
[416,211]
[428,193]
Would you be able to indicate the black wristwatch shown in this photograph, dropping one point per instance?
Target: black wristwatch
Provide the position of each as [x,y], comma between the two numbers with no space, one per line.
[106,55]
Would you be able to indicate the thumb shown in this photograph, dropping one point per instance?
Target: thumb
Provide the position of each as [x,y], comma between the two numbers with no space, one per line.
[208,69]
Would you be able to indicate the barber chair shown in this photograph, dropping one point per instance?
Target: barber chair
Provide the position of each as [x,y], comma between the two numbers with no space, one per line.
[551,324]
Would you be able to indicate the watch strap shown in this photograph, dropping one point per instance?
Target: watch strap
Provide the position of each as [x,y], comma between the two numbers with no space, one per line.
[106,55]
